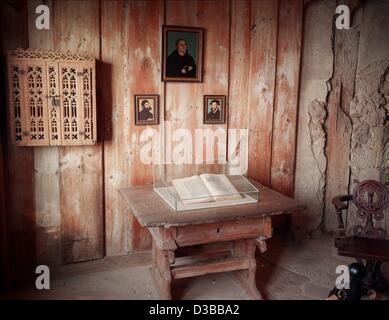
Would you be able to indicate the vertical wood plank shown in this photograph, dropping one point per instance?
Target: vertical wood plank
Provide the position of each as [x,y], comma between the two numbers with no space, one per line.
[20,213]
[238,114]
[143,70]
[46,166]
[184,101]
[263,50]
[216,67]
[3,140]
[339,124]
[286,95]
[77,28]
[3,229]
[116,112]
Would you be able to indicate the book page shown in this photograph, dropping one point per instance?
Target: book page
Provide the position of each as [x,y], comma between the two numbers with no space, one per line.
[192,190]
[219,185]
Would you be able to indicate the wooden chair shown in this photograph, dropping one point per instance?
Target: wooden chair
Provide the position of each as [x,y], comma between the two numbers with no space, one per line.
[368,241]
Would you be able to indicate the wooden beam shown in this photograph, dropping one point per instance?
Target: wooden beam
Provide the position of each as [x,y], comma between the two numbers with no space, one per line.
[225,265]
[205,250]
[290,19]
[339,124]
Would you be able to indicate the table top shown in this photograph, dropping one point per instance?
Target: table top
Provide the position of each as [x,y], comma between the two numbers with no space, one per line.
[152,211]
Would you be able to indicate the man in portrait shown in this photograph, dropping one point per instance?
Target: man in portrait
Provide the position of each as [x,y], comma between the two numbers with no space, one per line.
[145,114]
[214,113]
[179,62]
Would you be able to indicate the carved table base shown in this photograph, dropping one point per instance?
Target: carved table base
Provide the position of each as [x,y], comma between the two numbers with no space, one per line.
[195,250]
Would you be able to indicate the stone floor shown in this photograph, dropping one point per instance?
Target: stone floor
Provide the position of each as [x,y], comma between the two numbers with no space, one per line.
[304,269]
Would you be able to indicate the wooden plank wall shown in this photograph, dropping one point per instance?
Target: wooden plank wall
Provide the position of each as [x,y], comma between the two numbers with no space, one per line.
[263,52]
[77,28]
[3,232]
[46,168]
[184,101]
[3,141]
[69,218]
[290,15]
[19,177]
[143,54]
[238,115]
[251,56]
[116,112]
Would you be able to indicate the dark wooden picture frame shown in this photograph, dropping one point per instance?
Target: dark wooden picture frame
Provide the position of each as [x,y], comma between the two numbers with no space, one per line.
[142,111]
[178,65]
[211,116]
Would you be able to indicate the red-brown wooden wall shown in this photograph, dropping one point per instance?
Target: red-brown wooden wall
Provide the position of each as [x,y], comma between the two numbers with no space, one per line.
[70,194]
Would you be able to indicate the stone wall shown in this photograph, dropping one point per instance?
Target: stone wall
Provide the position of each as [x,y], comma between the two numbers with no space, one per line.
[344,91]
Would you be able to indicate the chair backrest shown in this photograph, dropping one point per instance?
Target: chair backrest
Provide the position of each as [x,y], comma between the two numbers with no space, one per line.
[371,199]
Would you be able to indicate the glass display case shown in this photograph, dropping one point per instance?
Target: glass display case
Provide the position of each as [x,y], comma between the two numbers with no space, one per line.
[199,186]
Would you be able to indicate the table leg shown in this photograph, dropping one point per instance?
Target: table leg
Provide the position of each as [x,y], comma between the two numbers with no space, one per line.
[162,261]
[246,248]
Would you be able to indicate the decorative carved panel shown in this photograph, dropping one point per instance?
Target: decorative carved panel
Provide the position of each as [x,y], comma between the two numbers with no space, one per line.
[52,98]
[16,100]
[54,104]
[70,96]
[88,104]
[36,102]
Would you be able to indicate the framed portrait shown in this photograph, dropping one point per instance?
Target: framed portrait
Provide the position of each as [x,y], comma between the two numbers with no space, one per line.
[146,109]
[214,109]
[182,54]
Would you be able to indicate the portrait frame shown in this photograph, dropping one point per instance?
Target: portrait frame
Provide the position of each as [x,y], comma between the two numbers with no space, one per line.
[207,108]
[194,38]
[153,100]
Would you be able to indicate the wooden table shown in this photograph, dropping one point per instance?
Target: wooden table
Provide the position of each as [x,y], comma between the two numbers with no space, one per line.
[198,242]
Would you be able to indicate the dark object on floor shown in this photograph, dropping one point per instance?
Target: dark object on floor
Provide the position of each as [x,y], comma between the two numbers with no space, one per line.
[368,241]
[357,274]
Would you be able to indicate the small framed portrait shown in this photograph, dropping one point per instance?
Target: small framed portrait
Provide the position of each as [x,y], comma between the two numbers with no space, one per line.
[182,54]
[146,109]
[214,109]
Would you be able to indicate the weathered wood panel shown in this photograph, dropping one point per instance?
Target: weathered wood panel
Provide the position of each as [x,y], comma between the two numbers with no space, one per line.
[290,19]
[3,229]
[224,265]
[183,104]
[263,47]
[238,113]
[184,101]
[152,211]
[20,214]
[239,57]
[77,28]
[116,109]
[339,124]
[3,138]
[216,232]
[143,71]
[46,166]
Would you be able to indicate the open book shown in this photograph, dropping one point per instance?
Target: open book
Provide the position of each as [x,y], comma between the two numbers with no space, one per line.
[205,188]
[205,191]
